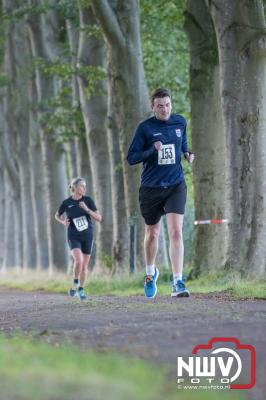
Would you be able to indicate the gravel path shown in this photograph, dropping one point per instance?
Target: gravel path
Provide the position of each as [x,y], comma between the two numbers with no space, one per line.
[157,330]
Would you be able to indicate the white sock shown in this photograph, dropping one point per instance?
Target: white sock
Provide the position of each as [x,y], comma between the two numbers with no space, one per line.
[150,269]
[76,283]
[177,277]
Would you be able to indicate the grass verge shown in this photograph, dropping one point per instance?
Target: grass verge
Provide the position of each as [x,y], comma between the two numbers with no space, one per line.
[133,285]
[30,370]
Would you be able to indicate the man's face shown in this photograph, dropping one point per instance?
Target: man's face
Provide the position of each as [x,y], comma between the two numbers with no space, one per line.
[162,108]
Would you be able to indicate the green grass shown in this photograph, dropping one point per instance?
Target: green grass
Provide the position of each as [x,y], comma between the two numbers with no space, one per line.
[231,284]
[28,367]
[133,285]
[33,370]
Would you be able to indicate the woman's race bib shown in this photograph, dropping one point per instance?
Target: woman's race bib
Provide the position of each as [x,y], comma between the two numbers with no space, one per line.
[81,223]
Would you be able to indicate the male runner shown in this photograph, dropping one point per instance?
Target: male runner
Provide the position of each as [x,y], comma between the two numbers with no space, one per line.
[158,143]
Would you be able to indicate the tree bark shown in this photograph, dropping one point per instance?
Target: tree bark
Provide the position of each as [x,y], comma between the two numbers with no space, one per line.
[37,182]
[94,109]
[208,141]
[240,31]
[13,249]
[120,251]
[19,110]
[43,34]
[2,204]
[72,146]
[120,23]
[127,95]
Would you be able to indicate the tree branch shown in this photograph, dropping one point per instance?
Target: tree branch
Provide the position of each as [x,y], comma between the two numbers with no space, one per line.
[108,21]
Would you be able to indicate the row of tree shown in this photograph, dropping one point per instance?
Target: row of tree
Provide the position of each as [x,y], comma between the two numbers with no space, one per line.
[228,98]
[72,67]
[41,71]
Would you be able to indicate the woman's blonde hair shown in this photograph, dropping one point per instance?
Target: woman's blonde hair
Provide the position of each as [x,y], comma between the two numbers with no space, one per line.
[75,182]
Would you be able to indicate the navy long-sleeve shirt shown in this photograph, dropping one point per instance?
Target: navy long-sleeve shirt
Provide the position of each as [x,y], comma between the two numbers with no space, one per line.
[161,168]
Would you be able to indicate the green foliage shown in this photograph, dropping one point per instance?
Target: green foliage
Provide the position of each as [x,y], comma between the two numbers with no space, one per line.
[56,68]
[92,31]
[165,48]
[69,10]
[27,11]
[63,117]
[106,261]
[65,71]
[4,80]
[59,113]
[92,76]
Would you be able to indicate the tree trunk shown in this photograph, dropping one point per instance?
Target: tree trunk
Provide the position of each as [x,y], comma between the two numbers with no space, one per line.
[72,159]
[240,31]
[208,141]
[2,214]
[72,146]
[120,252]
[44,33]
[127,95]
[13,255]
[2,182]
[11,213]
[120,23]
[94,109]
[19,110]
[37,182]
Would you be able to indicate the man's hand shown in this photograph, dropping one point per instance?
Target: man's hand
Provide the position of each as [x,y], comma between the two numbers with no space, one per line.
[158,145]
[189,156]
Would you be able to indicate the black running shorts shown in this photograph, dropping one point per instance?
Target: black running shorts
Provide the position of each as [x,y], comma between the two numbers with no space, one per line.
[157,201]
[82,243]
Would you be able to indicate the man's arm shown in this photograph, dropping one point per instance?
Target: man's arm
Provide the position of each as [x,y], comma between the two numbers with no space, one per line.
[189,156]
[136,154]
[184,140]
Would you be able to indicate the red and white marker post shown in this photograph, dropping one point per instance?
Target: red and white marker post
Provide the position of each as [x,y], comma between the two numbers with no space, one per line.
[211,221]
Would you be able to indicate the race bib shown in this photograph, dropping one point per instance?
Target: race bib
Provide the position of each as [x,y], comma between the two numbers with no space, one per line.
[167,154]
[81,223]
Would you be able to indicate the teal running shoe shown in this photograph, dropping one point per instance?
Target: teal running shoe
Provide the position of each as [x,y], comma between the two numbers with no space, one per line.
[82,294]
[73,292]
[180,290]
[150,288]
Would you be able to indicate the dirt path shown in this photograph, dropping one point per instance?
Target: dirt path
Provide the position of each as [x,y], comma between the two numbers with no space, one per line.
[158,330]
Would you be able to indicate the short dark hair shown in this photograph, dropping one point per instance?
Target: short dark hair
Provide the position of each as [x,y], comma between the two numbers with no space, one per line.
[159,94]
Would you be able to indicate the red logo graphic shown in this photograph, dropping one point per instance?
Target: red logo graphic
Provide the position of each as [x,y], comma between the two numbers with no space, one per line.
[229,362]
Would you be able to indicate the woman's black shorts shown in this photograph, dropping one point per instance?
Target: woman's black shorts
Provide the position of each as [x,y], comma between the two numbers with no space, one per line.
[84,243]
[157,201]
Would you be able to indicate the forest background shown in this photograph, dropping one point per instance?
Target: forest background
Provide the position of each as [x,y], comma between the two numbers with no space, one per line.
[75,82]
